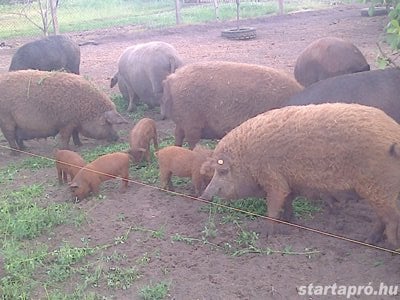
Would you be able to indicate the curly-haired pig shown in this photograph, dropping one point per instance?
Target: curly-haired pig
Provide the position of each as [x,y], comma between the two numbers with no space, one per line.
[208,99]
[327,147]
[55,52]
[181,162]
[377,88]
[106,167]
[328,57]
[68,163]
[139,139]
[141,70]
[39,104]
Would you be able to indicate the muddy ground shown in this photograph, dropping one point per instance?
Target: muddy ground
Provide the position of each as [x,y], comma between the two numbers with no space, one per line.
[198,271]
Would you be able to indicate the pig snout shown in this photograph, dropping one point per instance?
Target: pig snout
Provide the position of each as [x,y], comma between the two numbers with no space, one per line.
[113,137]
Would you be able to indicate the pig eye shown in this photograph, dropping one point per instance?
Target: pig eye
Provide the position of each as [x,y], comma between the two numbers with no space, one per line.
[222,171]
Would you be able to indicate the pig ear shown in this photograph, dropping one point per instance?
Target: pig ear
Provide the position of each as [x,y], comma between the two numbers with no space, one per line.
[113,117]
[205,167]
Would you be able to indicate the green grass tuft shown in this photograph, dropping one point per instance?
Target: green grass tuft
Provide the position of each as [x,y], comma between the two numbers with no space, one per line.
[156,291]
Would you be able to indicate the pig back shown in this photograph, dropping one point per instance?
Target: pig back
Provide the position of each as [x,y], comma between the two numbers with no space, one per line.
[378,88]
[323,147]
[223,94]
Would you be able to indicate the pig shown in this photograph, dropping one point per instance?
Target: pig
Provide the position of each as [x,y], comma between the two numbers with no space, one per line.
[139,140]
[39,104]
[328,147]
[104,168]
[141,70]
[208,99]
[377,88]
[68,163]
[328,57]
[55,52]
[173,160]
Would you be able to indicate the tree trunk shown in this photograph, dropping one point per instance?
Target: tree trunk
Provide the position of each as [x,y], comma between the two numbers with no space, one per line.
[280,7]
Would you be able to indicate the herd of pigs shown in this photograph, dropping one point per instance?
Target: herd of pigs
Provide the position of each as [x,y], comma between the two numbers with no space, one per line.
[329,131]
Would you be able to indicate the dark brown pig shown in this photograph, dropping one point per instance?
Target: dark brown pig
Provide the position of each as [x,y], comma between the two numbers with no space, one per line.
[38,104]
[139,140]
[141,70]
[208,99]
[52,53]
[68,163]
[178,161]
[328,57]
[378,88]
[104,168]
[325,147]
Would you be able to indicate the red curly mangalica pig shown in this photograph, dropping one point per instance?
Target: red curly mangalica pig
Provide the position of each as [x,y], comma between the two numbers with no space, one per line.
[327,147]
[183,162]
[39,104]
[139,139]
[104,168]
[68,163]
[208,99]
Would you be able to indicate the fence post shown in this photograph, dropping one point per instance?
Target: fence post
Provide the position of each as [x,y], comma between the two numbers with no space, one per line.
[178,11]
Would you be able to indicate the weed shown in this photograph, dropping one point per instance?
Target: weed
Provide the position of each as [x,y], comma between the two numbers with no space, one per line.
[36,163]
[158,234]
[304,208]
[156,291]
[121,278]
[7,174]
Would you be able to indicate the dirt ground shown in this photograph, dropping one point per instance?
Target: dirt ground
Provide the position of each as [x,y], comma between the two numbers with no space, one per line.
[199,271]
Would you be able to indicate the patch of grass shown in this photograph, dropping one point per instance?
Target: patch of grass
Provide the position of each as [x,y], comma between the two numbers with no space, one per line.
[91,155]
[7,174]
[304,208]
[21,217]
[36,163]
[157,291]
[79,15]
[121,278]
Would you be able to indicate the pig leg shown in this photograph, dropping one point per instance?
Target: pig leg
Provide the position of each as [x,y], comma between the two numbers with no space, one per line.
[276,202]
[133,98]
[9,134]
[155,141]
[179,136]
[65,135]
[60,175]
[165,179]
[389,222]
[147,154]
[75,138]
[125,179]
[193,137]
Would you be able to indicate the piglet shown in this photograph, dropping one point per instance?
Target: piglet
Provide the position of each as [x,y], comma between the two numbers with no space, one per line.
[67,163]
[139,140]
[183,162]
[104,168]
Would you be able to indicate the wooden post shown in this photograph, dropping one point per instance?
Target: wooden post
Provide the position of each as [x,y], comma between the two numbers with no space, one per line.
[280,7]
[53,10]
[178,11]
[216,10]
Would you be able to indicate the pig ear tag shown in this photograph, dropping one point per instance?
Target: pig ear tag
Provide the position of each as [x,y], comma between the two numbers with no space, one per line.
[220,162]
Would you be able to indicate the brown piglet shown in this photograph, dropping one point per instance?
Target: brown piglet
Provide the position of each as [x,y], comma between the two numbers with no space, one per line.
[104,168]
[183,162]
[67,163]
[139,140]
